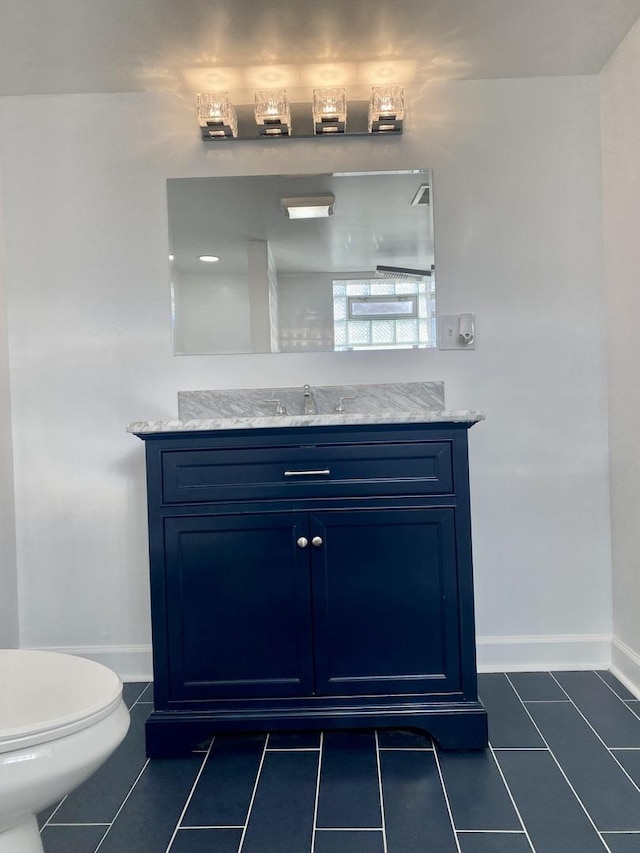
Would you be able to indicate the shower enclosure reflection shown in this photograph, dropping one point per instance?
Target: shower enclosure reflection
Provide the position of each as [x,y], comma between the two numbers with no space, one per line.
[303,262]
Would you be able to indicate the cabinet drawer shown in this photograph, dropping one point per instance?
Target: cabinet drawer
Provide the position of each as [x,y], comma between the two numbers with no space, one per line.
[229,474]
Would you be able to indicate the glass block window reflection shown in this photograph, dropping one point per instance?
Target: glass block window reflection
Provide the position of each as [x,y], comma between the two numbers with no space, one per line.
[384,314]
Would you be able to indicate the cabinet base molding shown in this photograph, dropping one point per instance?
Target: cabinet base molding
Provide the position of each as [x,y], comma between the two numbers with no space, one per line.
[455,725]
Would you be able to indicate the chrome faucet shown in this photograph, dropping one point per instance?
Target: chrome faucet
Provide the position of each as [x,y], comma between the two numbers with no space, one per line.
[281,408]
[309,402]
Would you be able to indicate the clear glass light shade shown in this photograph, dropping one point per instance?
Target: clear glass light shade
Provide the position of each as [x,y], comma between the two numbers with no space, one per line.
[216,115]
[386,109]
[273,112]
[329,109]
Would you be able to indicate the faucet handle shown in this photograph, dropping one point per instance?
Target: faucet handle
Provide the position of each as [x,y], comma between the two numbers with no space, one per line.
[281,409]
[339,407]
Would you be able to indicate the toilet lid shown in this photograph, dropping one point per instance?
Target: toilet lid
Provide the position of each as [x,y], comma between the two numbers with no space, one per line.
[46,695]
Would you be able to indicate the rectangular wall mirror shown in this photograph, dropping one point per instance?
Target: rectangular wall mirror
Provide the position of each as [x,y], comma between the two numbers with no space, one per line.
[302,263]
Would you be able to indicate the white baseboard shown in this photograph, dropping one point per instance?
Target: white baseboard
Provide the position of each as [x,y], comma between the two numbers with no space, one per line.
[495,654]
[132,663]
[625,665]
[543,652]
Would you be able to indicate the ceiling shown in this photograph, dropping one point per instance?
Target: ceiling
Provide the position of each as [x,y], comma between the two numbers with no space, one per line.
[374,223]
[87,46]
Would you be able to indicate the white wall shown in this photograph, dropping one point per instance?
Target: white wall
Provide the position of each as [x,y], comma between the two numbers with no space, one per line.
[9,637]
[211,313]
[305,304]
[518,242]
[620,106]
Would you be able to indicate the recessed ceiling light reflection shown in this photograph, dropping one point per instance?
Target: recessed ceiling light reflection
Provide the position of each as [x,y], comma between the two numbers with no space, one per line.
[209,259]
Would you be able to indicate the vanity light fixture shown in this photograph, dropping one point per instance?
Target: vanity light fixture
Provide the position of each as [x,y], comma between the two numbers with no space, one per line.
[208,259]
[309,207]
[386,109]
[273,116]
[330,110]
[217,115]
[272,112]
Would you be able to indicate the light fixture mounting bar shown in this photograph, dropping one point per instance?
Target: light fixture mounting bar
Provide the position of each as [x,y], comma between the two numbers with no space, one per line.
[302,127]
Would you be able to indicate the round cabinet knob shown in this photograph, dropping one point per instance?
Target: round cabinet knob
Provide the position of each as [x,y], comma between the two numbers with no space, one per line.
[303,542]
[316,541]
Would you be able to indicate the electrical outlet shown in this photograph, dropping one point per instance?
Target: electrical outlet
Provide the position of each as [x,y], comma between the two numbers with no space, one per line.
[448,335]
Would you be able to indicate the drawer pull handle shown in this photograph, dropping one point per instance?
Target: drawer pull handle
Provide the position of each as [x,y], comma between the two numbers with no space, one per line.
[302,542]
[316,541]
[320,472]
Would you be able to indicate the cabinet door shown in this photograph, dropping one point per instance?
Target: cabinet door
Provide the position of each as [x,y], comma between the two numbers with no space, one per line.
[238,593]
[385,602]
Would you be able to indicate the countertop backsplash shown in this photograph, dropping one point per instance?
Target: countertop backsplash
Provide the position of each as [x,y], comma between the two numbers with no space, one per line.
[368,399]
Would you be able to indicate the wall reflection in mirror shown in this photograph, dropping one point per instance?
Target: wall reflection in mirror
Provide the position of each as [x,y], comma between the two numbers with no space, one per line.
[302,263]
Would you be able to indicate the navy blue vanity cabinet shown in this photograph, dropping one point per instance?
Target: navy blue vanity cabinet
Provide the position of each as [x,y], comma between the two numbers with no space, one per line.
[311,577]
[385,602]
[239,606]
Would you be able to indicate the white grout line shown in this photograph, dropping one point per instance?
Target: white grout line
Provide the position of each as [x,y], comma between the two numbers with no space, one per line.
[511,797]
[544,701]
[560,768]
[188,800]
[79,824]
[315,805]
[138,700]
[609,749]
[611,688]
[629,706]
[294,749]
[216,826]
[122,805]
[446,799]
[625,702]
[621,832]
[351,829]
[492,832]
[520,749]
[405,749]
[384,826]
[253,795]
[48,820]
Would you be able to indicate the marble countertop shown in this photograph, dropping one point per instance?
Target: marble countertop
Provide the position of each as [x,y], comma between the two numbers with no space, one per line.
[270,421]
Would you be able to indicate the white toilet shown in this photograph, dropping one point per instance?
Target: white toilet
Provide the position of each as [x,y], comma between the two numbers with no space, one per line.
[61,717]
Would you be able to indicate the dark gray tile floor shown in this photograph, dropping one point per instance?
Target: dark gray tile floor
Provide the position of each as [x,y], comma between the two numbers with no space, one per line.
[562,775]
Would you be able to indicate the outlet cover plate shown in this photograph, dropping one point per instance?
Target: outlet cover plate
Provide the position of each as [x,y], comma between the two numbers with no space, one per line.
[448,337]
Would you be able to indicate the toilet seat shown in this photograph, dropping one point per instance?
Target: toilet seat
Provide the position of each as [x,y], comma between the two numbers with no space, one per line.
[49,695]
